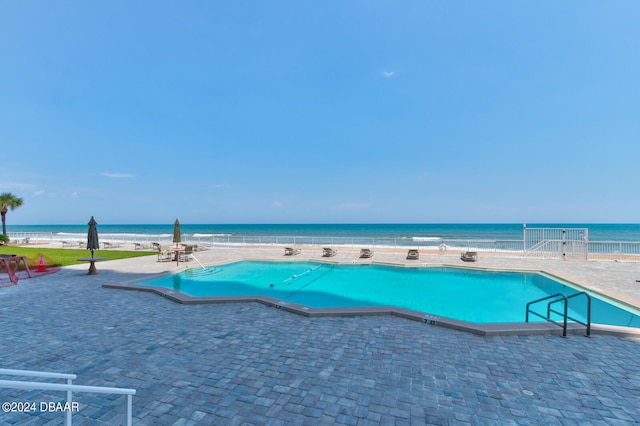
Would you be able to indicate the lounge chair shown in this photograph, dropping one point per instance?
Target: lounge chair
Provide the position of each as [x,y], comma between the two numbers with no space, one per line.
[413,254]
[366,253]
[141,246]
[329,252]
[291,251]
[469,256]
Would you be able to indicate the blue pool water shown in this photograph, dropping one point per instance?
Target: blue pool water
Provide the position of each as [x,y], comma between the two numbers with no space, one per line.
[463,294]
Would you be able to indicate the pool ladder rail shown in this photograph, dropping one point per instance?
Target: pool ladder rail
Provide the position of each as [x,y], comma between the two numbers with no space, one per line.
[557,298]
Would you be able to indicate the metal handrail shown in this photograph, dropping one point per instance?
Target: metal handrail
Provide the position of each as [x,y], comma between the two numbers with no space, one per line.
[41,374]
[68,387]
[566,306]
[588,323]
[559,297]
[44,375]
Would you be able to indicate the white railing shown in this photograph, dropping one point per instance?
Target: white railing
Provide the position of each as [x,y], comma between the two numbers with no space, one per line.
[537,243]
[556,243]
[614,250]
[547,249]
[25,237]
[68,387]
[505,247]
[354,242]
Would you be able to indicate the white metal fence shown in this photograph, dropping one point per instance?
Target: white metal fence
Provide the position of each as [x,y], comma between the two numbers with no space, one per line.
[614,250]
[543,243]
[556,243]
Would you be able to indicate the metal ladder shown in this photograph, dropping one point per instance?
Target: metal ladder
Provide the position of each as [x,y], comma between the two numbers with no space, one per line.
[557,298]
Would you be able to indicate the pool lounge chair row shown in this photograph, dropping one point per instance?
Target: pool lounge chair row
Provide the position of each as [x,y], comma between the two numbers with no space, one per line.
[327,252]
[412,254]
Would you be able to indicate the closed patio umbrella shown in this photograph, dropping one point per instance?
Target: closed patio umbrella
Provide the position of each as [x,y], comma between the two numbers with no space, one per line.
[92,236]
[176,232]
[177,239]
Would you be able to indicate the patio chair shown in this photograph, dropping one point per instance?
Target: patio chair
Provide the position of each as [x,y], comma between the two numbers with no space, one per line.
[469,256]
[329,252]
[291,251]
[413,254]
[186,254]
[164,254]
[366,253]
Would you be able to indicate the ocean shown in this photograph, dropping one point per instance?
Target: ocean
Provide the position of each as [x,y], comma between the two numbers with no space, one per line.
[412,232]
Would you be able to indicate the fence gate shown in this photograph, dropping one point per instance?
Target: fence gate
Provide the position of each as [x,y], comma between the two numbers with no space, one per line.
[556,243]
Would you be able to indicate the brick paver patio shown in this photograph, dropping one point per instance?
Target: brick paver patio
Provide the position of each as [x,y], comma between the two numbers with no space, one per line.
[253,364]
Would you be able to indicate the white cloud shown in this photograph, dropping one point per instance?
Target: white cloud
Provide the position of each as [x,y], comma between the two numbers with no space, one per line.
[388,73]
[118,175]
[278,205]
[74,194]
[39,192]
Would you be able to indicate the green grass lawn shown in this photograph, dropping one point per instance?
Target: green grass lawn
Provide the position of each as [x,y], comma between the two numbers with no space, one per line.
[66,257]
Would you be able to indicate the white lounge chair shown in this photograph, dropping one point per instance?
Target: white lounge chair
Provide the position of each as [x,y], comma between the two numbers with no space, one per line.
[329,252]
[291,251]
[469,256]
[366,253]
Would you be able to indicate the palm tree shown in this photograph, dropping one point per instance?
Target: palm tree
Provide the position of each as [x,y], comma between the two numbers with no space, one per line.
[8,201]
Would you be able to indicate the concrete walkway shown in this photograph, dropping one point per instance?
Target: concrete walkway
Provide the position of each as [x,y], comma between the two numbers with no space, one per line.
[252,364]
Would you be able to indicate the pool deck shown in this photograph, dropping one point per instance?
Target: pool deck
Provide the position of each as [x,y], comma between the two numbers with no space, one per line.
[252,364]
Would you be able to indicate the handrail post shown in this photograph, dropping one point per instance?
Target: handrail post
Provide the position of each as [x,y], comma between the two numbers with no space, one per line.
[566,309]
[69,400]
[588,315]
[129,409]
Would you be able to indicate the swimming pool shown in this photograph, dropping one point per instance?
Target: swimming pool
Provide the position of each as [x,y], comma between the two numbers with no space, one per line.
[476,296]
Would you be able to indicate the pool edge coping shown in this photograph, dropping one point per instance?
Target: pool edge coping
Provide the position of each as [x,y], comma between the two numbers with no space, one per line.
[484,329]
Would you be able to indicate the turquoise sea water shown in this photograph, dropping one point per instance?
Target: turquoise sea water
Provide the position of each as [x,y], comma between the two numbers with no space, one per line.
[468,295]
[597,232]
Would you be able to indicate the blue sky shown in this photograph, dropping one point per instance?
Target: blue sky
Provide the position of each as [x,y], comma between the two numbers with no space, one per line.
[320,112]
